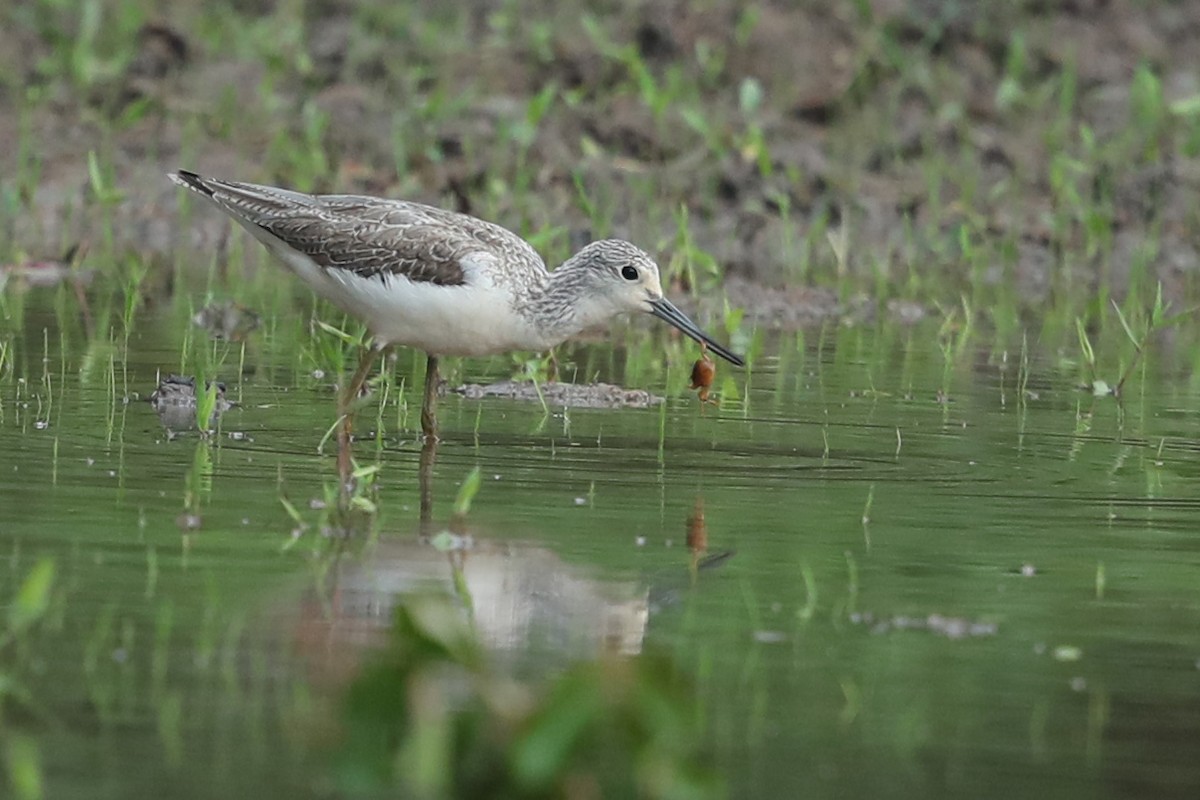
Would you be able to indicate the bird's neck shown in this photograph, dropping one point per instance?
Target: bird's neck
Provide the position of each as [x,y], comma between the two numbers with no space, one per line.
[561,307]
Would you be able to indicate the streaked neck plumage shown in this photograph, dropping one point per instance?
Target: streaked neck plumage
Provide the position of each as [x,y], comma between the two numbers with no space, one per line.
[567,302]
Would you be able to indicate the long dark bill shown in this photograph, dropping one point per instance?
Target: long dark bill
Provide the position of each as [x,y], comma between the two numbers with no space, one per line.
[665,310]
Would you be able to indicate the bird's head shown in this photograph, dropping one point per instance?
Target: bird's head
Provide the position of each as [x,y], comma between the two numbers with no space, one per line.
[621,277]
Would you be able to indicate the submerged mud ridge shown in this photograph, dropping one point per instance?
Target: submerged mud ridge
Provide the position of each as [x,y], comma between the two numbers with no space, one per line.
[586,395]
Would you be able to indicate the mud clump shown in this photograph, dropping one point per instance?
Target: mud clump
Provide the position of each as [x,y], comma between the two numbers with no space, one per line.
[571,395]
[174,400]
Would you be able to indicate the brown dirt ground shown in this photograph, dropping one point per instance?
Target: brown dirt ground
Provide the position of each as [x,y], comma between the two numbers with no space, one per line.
[851,136]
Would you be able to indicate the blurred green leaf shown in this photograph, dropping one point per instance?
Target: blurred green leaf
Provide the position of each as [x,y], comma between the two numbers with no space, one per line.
[432,718]
[545,749]
[33,597]
[347,338]
[1085,343]
[23,761]
[425,757]
[1146,96]
[467,492]
[750,95]
[437,630]
[1187,107]
[206,404]
[1125,324]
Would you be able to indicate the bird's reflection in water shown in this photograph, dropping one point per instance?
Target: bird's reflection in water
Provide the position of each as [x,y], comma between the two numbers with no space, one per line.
[522,599]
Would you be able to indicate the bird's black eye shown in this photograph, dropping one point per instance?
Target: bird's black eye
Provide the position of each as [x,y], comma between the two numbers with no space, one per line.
[629,273]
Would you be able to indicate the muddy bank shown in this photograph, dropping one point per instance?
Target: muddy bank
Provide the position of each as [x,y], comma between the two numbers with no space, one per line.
[914,135]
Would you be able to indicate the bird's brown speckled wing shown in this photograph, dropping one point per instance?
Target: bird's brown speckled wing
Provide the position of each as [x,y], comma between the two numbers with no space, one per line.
[367,236]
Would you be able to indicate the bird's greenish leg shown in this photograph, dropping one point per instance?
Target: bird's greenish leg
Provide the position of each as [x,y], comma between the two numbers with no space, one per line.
[346,413]
[429,423]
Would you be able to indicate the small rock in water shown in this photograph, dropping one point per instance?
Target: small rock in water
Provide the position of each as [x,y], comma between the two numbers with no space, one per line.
[175,403]
[188,521]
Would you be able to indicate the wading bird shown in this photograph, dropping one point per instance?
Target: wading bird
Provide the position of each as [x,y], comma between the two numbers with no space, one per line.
[447,283]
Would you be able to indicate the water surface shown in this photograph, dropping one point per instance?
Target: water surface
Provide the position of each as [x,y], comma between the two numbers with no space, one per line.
[950,578]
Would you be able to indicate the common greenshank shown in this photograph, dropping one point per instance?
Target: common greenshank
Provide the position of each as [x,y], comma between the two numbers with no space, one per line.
[447,283]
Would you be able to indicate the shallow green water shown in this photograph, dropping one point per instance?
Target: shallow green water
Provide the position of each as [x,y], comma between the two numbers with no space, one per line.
[1018,615]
